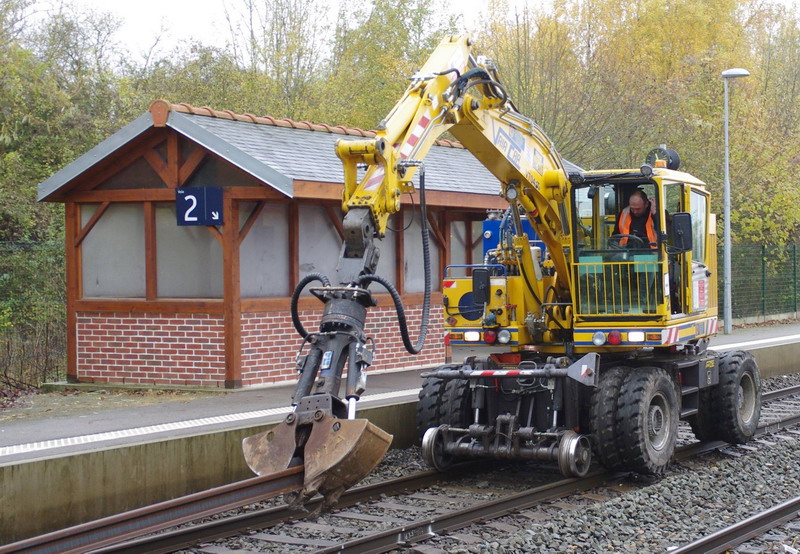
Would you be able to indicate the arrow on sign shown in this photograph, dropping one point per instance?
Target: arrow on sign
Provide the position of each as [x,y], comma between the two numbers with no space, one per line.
[215,215]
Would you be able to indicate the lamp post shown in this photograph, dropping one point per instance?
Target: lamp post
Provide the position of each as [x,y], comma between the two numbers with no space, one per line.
[726,76]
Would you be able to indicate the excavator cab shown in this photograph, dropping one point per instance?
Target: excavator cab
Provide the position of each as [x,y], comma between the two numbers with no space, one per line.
[618,268]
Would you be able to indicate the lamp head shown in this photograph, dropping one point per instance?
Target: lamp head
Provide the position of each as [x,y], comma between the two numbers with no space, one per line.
[734,73]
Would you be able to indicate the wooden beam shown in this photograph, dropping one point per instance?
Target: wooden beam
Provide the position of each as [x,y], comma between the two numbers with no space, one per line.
[257,193]
[294,245]
[173,160]
[216,233]
[159,166]
[150,252]
[71,230]
[433,226]
[464,201]
[232,295]
[88,227]
[336,220]
[125,195]
[190,165]
[251,219]
[95,176]
[316,190]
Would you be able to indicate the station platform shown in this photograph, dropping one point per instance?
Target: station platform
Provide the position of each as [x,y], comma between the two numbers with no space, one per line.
[28,440]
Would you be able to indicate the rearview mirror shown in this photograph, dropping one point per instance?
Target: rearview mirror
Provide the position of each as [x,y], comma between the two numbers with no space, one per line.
[681,233]
[480,286]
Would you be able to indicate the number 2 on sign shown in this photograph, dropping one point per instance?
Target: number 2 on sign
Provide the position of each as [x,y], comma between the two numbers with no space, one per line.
[193,199]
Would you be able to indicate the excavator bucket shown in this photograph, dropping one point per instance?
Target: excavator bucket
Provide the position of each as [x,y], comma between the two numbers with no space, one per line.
[271,451]
[341,452]
[337,455]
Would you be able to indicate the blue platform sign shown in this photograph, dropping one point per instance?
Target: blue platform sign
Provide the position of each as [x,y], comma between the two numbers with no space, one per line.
[199,206]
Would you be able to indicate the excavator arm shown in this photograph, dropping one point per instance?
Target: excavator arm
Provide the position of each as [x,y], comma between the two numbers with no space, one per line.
[457,93]
[452,92]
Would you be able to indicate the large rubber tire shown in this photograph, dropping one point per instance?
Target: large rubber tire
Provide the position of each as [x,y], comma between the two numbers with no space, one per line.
[429,405]
[737,397]
[647,420]
[457,403]
[443,401]
[704,422]
[603,416]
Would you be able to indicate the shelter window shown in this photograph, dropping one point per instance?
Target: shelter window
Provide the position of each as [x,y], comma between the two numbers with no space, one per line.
[264,254]
[189,259]
[112,254]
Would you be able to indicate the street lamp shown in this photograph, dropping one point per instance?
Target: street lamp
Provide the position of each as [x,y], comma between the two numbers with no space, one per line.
[726,76]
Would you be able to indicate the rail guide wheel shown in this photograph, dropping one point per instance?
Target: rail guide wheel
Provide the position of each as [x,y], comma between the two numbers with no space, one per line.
[433,451]
[574,454]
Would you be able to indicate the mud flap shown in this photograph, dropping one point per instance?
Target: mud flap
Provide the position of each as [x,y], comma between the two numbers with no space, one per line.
[341,452]
[337,455]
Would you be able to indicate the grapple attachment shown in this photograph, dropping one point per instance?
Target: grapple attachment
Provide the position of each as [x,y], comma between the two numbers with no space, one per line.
[336,453]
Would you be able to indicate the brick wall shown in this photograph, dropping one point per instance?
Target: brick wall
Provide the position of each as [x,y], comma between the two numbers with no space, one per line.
[152,349]
[189,349]
[270,343]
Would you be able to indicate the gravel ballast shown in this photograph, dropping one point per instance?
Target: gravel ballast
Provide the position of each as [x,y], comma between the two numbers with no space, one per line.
[693,498]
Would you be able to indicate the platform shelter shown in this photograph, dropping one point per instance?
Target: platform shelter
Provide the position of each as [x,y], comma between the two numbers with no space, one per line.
[187,230]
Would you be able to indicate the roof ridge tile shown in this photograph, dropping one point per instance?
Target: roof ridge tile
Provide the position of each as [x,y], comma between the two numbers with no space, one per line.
[160,107]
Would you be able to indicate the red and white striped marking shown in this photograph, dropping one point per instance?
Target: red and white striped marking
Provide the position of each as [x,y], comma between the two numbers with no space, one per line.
[419,130]
[671,335]
[376,179]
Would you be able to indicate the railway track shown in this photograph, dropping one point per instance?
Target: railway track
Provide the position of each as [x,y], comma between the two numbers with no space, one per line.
[397,513]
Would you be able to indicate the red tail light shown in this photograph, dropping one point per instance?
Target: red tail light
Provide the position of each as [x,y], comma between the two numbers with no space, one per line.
[614,337]
[489,336]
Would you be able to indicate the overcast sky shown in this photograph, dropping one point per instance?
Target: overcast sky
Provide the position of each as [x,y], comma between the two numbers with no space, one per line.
[203,20]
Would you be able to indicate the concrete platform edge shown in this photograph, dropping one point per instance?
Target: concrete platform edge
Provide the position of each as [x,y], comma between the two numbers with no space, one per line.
[52,493]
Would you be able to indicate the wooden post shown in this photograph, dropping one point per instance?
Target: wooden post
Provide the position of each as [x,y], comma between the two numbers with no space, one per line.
[72,228]
[232,293]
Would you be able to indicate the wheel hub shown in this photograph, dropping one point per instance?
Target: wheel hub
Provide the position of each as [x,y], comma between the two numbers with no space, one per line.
[658,422]
[745,397]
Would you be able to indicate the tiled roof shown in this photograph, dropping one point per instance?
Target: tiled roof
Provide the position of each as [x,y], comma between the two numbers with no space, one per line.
[277,151]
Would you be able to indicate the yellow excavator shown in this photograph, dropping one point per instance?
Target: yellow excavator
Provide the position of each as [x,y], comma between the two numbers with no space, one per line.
[589,340]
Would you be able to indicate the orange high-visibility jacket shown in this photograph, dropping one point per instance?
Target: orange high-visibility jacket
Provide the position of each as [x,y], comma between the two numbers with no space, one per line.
[625,227]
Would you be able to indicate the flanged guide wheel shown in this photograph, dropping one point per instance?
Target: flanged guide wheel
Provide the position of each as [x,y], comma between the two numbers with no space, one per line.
[433,450]
[574,454]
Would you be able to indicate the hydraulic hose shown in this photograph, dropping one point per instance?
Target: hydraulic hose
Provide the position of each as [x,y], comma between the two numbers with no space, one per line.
[364,280]
[310,278]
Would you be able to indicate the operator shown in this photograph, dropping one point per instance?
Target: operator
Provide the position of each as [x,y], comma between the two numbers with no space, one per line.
[637,220]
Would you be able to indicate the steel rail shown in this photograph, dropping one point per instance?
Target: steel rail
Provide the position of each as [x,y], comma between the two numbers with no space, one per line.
[156,517]
[259,519]
[130,526]
[736,534]
[424,529]
[780,393]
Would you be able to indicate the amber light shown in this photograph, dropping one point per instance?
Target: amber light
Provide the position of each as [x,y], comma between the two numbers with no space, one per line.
[614,337]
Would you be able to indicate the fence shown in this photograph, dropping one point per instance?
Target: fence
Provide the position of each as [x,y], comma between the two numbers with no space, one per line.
[32,314]
[764,282]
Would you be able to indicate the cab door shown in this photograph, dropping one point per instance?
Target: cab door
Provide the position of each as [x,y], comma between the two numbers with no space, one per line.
[700,270]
